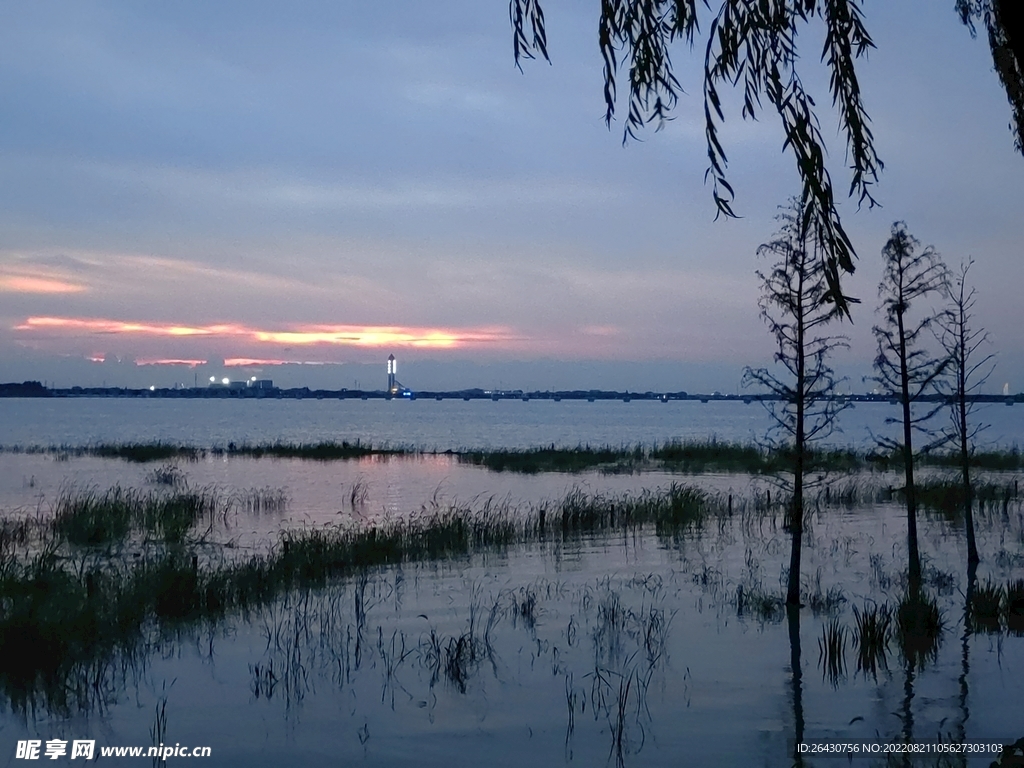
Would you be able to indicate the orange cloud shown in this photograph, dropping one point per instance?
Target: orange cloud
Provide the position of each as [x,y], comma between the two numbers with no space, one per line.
[117,326]
[332,335]
[27,284]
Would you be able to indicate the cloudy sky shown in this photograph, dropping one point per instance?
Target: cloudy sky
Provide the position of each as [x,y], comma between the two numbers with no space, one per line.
[297,190]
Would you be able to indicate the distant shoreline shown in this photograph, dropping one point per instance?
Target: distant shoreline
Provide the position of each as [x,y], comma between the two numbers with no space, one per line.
[34,389]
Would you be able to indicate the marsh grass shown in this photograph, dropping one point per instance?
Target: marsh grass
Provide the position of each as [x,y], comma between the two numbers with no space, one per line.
[90,518]
[170,475]
[554,459]
[754,601]
[832,652]
[697,456]
[946,496]
[87,517]
[919,627]
[323,451]
[986,607]
[63,613]
[824,602]
[1014,605]
[144,452]
[141,453]
[684,456]
[1006,460]
[872,632]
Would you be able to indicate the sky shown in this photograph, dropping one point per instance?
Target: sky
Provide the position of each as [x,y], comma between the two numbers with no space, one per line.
[294,191]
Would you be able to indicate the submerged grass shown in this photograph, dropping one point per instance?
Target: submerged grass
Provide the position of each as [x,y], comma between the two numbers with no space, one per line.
[946,495]
[872,632]
[143,452]
[324,451]
[62,614]
[553,459]
[161,451]
[687,456]
[919,628]
[91,518]
[1014,606]
[986,607]
[832,652]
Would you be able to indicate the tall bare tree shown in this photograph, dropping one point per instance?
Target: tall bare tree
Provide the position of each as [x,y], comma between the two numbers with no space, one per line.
[905,368]
[795,307]
[752,45]
[969,368]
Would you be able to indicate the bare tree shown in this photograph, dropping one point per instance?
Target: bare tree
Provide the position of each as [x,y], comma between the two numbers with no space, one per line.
[968,369]
[905,368]
[795,307]
[752,45]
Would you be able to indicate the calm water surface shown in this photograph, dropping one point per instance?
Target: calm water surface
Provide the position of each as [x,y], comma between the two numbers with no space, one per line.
[449,424]
[611,651]
[615,650]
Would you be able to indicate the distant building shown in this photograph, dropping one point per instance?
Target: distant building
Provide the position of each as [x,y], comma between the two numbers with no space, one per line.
[393,384]
[253,383]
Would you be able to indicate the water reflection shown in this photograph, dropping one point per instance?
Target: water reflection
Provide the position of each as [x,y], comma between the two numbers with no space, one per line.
[626,649]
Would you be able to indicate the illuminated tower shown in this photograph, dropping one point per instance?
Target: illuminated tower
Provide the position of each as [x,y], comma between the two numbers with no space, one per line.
[392,375]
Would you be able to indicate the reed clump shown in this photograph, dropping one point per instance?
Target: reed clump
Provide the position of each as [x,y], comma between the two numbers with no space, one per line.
[986,607]
[323,451]
[947,495]
[62,613]
[996,460]
[832,651]
[553,459]
[872,632]
[756,602]
[91,518]
[688,456]
[1014,603]
[144,452]
[919,628]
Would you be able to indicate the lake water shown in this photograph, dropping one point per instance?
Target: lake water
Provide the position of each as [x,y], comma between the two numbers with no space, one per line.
[630,651]
[429,424]
[615,650]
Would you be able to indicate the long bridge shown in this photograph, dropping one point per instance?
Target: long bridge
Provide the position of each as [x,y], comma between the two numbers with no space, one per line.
[36,389]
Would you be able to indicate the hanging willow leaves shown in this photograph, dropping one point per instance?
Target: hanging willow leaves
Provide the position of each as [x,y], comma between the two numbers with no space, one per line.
[1004,23]
[751,45]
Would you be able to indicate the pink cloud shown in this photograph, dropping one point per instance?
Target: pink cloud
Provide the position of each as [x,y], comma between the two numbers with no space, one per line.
[34,284]
[302,335]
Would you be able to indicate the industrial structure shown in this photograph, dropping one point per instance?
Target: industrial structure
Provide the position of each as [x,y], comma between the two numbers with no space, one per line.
[394,385]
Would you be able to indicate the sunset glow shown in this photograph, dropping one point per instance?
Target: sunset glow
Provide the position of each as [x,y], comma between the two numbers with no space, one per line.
[26,284]
[331,335]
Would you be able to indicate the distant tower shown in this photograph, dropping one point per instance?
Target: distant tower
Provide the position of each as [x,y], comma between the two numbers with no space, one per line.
[392,374]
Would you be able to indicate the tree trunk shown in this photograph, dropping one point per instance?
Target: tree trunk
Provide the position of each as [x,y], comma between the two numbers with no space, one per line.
[914,574]
[965,456]
[797,672]
[796,521]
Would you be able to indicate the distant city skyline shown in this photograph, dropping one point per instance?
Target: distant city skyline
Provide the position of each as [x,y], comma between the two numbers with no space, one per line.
[296,193]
